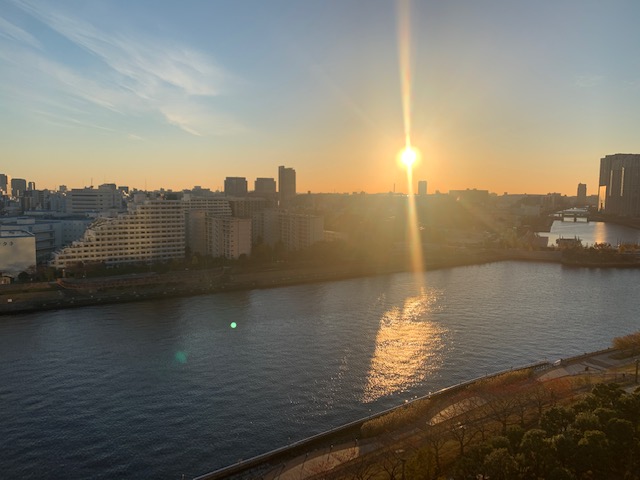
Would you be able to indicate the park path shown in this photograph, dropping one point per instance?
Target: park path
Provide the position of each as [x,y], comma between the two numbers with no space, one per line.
[315,463]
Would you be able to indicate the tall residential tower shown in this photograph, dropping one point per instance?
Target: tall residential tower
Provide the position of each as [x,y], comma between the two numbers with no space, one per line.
[286,185]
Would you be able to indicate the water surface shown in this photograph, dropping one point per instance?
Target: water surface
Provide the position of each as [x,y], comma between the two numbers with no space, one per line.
[164,388]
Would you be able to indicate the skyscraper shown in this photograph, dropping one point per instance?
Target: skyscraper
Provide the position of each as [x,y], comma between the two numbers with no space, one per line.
[286,185]
[582,194]
[619,188]
[235,186]
[5,184]
[18,187]
[422,187]
[265,186]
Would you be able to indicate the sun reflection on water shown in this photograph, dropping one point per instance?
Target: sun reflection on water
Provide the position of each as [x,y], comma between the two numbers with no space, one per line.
[408,347]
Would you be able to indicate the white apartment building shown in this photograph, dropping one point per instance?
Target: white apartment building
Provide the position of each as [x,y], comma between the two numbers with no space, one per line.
[153,231]
[228,237]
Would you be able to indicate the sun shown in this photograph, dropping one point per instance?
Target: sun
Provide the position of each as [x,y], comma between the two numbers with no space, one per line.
[409,156]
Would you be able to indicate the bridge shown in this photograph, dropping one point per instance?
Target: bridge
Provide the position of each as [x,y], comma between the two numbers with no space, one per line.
[573,214]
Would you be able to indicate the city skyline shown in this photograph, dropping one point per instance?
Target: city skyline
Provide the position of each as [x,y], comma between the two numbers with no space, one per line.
[518,98]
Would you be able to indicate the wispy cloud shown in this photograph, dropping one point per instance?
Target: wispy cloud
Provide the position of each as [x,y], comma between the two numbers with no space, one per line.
[12,32]
[66,121]
[589,81]
[135,74]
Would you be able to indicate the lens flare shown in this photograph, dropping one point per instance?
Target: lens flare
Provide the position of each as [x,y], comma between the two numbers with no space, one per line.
[409,155]
[181,357]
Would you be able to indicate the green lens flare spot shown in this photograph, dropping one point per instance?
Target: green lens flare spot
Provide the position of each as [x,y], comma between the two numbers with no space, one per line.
[233,325]
[181,357]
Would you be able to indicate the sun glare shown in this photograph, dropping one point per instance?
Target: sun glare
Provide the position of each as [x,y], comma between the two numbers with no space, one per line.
[409,156]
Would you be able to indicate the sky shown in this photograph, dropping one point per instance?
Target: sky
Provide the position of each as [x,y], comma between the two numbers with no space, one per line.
[507,96]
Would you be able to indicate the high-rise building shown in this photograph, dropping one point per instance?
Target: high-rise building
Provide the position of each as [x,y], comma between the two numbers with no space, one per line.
[582,194]
[18,187]
[286,185]
[265,186]
[619,185]
[5,184]
[235,186]
[422,187]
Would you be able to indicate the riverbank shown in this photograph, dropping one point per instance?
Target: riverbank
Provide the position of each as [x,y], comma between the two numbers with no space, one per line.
[31,297]
[368,441]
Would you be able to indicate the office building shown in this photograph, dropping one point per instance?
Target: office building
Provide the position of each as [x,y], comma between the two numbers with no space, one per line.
[150,232]
[18,187]
[46,232]
[286,186]
[619,185]
[91,200]
[581,197]
[235,186]
[422,187]
[17,252]
[5,184]
[265,186]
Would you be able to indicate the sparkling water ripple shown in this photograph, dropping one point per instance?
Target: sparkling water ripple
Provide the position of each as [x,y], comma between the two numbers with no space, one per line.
[164,388]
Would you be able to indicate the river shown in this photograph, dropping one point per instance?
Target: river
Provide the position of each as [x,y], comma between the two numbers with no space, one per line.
[158,389]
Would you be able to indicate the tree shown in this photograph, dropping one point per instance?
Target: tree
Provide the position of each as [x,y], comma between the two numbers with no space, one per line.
[500,465]
[556,420]
[535,453]
[607,394]
[23,277]
[591,454]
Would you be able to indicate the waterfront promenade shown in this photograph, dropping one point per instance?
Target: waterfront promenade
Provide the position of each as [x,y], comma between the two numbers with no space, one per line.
[329,453]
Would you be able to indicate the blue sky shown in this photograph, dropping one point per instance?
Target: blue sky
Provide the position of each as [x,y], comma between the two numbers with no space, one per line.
[524,97]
